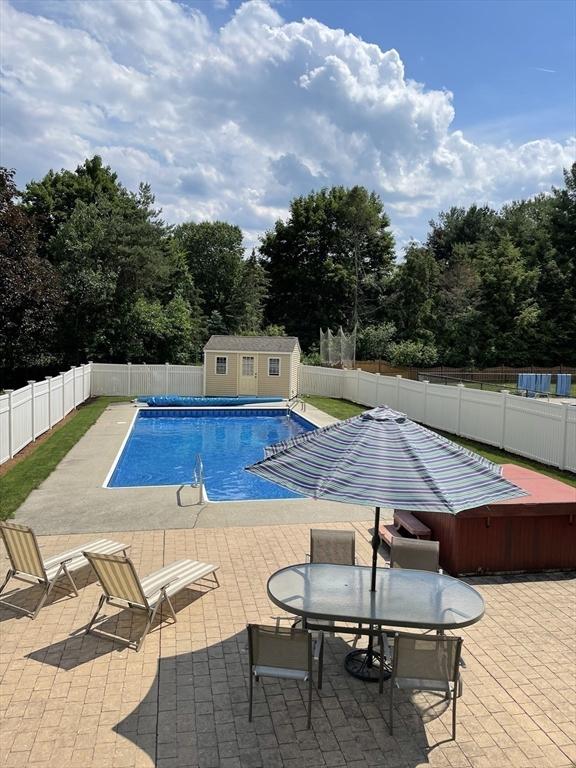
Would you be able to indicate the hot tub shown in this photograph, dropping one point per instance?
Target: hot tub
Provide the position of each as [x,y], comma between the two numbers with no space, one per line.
[533,533]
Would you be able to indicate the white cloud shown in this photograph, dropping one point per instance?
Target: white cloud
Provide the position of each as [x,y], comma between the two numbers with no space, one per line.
[231,123]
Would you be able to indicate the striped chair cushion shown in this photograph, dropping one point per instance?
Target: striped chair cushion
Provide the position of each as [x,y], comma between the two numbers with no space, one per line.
[177,576]
[74,558]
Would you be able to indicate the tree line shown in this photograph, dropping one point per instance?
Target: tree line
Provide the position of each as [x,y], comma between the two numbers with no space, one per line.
[89,270]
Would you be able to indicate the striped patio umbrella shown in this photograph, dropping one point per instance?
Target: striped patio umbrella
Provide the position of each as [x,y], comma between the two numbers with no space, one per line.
[382,459]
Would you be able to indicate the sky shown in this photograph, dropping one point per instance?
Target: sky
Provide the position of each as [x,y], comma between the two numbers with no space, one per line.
[230,109]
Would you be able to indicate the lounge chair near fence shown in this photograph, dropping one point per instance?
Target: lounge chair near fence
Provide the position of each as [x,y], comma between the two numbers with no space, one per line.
[563,384]
[27,563]
[124,589]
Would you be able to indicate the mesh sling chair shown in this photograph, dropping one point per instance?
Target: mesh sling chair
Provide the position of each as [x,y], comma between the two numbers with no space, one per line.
[122,587]
[333,547]
[426,663]
[419,554]
[28,565]
[284,653]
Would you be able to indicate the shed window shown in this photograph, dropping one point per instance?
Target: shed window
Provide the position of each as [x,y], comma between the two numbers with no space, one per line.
[222,366]
[273,366]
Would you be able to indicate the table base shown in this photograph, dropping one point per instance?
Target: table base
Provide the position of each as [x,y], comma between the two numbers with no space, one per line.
[364,664]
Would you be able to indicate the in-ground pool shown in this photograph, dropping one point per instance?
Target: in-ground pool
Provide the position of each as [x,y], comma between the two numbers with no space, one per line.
[162,446]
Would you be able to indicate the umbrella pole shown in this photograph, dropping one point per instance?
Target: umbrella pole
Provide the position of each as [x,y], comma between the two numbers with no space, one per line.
[360,662]
[375,547]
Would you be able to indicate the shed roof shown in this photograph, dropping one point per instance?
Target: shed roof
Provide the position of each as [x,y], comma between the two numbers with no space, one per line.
[252,344]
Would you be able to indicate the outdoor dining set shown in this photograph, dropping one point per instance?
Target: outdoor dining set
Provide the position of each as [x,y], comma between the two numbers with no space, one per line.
[331,594]
[379,458]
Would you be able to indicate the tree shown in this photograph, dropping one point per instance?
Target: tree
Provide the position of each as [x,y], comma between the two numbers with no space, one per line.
[170,333]
[414,291]
[29,286]
[374,342]
[110,248]
[215,259]
[461,226]
[413,354]
[508,312]
[53,199]
[328,262]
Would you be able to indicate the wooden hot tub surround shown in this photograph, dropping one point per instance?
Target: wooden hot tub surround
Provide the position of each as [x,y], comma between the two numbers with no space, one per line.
[530,534]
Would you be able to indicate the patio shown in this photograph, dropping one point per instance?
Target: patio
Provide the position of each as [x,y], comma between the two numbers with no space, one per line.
[69,699]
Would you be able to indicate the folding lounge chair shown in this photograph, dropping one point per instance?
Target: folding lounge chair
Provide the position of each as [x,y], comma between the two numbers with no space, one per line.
[28,565]
[123,588]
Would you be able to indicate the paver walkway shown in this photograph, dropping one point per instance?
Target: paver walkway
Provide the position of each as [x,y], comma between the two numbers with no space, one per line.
[74,700]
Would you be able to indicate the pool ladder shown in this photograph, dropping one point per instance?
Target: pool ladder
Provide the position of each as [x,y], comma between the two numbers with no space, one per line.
[294,402]
[198,477]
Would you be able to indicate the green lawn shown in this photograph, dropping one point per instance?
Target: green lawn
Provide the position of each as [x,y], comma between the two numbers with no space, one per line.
[343,409]
[19,481]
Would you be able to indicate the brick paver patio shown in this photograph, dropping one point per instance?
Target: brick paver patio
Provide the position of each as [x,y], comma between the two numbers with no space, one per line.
[69,699]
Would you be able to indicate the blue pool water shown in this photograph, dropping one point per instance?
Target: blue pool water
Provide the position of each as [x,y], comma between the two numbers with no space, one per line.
[163,444]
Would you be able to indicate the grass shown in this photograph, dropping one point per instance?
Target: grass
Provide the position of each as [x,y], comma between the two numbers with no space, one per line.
[343,409]
[26,475]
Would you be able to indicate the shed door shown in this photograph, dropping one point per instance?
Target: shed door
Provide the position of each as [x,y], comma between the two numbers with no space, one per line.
[248,384]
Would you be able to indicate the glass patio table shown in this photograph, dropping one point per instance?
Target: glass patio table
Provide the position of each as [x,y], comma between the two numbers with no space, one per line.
[403,598]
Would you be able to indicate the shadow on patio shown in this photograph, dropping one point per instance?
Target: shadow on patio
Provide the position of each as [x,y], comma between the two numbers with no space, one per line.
[195,712]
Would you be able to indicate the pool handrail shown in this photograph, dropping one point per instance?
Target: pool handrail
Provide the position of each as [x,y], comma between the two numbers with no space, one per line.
[198,478]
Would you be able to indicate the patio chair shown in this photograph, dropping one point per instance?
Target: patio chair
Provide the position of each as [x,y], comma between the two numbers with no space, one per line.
[28,565]
[418,554]
[335,547]
[284,653]
[122,587]
[426,663]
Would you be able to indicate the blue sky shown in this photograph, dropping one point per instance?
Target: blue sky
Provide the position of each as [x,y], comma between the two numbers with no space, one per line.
[229,109]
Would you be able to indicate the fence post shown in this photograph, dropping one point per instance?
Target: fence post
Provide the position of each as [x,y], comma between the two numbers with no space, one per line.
[563,462]
[129,372]
[166,366]
[49,380]
[378,380]
[63,394]
[358,371]
[425,383]
[398,382]
[91,371]
[32,409]
[83,382]
[73,386]
[460,386]
[504,393]
[9,392]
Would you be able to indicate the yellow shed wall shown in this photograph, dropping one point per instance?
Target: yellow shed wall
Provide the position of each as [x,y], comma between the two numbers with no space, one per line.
[217,384]
[274,386]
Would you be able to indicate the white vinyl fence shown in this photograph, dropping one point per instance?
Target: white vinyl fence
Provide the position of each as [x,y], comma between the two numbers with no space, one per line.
[132,380]
[538,429]
[28,412]
[541,430]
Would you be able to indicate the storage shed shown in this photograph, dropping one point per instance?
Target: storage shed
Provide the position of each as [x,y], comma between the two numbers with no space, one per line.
[252,365]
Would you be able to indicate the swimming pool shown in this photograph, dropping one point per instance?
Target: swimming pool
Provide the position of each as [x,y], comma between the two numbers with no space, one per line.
[162,446]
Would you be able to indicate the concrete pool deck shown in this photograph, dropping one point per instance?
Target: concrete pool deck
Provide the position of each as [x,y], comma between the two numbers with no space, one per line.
[73,500]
